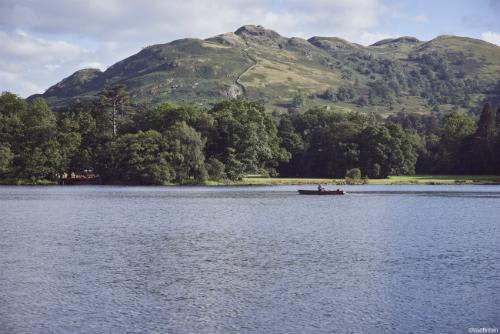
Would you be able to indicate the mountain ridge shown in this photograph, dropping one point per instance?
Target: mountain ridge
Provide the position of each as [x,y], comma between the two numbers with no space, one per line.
[295,73]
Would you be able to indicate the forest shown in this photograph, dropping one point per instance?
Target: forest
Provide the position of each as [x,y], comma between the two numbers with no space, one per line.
[124,142]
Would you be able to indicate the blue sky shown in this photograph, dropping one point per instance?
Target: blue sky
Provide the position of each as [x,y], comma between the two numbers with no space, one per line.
[461,17]
[42,42]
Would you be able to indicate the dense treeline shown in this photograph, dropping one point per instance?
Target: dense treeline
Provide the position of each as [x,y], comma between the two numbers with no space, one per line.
[456,143]
[134,144]
[327,144]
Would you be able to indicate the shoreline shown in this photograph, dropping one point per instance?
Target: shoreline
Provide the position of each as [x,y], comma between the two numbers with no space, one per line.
[393,180]
[270,181]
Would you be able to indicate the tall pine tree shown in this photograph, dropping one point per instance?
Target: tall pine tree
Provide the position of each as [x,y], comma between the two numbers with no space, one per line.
[486,124]
[483,161]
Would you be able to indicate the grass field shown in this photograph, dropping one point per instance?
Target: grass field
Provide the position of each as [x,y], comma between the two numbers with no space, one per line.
[416,179]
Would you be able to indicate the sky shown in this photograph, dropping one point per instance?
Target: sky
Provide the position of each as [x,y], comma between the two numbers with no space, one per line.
[42,42]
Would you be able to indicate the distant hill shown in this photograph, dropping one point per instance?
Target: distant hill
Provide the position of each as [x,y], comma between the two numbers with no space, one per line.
[448,72]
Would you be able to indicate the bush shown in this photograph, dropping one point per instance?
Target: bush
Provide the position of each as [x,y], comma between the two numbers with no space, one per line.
[216,169]
[350,181]
[354,174]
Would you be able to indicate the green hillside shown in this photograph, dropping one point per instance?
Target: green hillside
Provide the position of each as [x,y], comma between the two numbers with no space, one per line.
[402,74]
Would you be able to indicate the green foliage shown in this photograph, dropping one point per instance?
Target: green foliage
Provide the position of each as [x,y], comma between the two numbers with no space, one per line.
[244,138]
[77,130]
[332,142]
[486,127]
[187,144]
[455,129]
[322,143]
[375,151]
[38,154]
[140,158]
[185,152]
[298,101]
[329,94]
[354,173]
[291,139]
[12,109]
[6,158]
[215,169]
[345,94]
[482,146]
[164,116]
[112,104]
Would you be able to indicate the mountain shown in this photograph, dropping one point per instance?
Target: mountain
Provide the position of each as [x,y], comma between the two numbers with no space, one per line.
[391,75]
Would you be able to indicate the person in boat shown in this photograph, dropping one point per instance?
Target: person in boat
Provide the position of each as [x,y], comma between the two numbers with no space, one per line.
[320,188]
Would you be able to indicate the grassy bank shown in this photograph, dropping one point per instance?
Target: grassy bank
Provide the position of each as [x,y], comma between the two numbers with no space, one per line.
[277,181]
[416,179]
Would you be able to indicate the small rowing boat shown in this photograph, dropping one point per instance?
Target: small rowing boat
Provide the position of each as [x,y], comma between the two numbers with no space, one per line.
[322,192]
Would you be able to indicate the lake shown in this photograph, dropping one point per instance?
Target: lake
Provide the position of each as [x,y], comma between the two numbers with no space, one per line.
[381,259]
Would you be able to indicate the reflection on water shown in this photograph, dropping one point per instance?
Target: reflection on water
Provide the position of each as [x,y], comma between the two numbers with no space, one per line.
[381,259]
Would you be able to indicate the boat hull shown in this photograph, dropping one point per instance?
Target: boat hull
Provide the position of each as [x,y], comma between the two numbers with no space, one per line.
[325,192]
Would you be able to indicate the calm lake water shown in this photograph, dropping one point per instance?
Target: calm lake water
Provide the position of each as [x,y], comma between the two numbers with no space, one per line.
[382,259]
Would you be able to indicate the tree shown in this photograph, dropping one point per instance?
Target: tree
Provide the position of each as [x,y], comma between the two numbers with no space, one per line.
[185,152]
[323,142]
[361,101]
[108,112]
[115,99]
[486,124]
[166,115]
[140,158]
[354,173]
[387,151]
[298,101]
[12,110]
[6,158]
[455,129]
[39,155]
[328,94]
[291,140]
[404,146]
[215,169]
[375,151]
[331,150]
[244,138]
[497,120]
[481,148]
[345,94]
[497,150]
[76,134]
[292,143]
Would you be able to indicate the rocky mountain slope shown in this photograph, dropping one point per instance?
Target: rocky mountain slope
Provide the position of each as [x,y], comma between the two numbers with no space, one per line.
[292,74]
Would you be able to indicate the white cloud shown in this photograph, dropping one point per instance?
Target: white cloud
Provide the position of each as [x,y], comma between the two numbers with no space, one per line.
[16,82]
[31,64]
[20,45]
[27,63]
[161,20]
[43,39]
[420,18]
[492,37]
